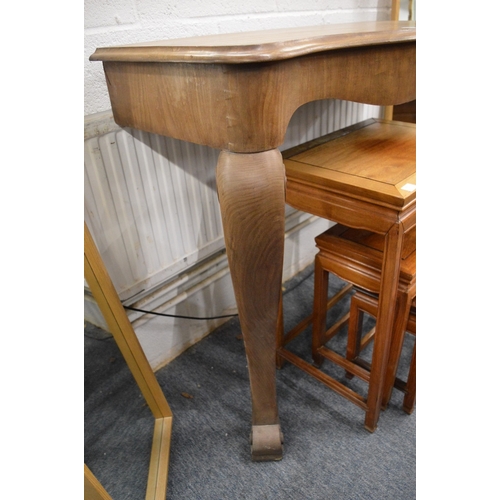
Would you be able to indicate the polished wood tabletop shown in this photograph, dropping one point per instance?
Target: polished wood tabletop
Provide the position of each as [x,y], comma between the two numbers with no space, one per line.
[361,162]
[260,46]
[237,93]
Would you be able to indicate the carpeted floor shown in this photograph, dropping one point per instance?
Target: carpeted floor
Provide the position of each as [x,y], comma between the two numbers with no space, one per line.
[327,453]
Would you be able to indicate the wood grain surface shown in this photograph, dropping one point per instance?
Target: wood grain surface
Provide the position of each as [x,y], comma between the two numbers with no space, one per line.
[261,46]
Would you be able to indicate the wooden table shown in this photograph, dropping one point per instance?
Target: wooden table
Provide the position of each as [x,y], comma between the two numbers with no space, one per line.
[363,177]
[237,93]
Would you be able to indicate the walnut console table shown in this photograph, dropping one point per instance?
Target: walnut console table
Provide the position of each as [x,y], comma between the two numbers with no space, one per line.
[237,93]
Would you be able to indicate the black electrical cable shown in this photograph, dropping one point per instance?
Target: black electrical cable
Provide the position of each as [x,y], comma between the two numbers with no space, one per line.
[179,316]
[210,317]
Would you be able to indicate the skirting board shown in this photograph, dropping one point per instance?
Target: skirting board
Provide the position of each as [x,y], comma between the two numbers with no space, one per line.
[204,291]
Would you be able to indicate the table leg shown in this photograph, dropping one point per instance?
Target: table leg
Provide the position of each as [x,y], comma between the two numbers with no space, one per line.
[385,322]
[403,307]
[251,191]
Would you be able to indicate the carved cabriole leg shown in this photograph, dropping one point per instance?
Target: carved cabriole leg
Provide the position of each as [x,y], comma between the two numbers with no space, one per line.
[251,191]
[385,322]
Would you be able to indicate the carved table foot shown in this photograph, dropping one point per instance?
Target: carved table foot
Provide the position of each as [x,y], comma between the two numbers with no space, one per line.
[266,442]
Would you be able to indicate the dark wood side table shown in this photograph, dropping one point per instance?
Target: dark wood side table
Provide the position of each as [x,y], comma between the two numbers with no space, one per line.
[237,93]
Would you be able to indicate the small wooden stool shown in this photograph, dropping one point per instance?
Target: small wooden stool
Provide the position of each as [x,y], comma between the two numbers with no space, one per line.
[361,303]
[355,256]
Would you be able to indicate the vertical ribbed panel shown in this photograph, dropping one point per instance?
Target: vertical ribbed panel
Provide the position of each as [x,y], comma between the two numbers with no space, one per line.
[151,201]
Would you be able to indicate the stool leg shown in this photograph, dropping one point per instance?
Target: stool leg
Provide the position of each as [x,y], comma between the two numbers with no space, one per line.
[385,322]
[354,332]
[319,309]
[403,306]
[411,384]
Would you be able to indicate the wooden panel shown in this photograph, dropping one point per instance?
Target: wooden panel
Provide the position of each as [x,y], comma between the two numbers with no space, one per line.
[368,240]
[350,211]
[247,107]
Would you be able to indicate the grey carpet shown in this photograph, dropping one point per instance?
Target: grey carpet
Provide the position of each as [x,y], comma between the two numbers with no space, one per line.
[327,453]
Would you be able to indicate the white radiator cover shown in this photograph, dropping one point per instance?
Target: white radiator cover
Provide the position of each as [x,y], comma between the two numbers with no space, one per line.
[151,206]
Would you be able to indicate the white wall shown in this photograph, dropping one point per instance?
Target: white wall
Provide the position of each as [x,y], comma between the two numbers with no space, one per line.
[160,240]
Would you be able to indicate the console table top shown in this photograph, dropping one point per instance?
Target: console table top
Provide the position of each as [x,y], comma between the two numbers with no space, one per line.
[260,46]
